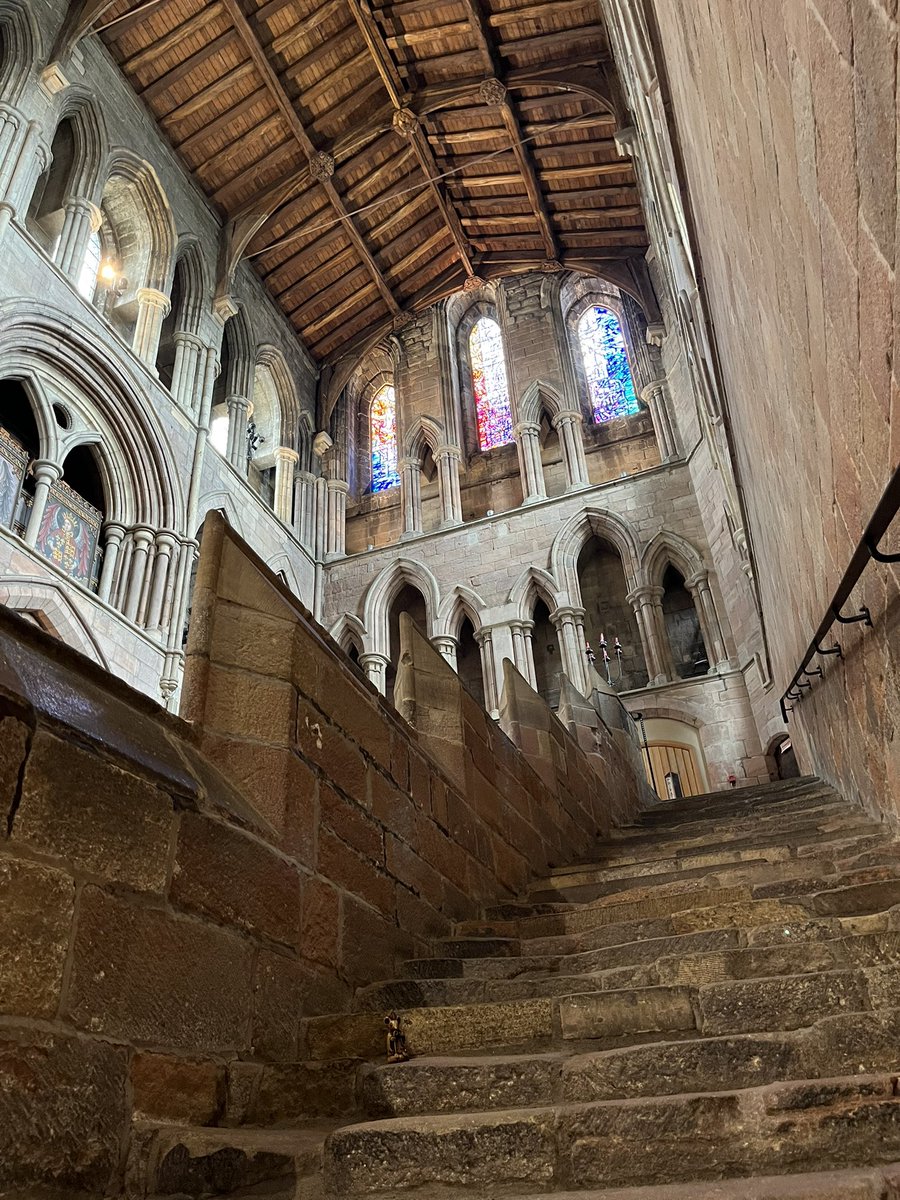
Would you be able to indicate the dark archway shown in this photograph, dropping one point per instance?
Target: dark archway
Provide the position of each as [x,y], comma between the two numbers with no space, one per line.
[545,648]
[686,643]
[468,662]
[608,613]
[408,600]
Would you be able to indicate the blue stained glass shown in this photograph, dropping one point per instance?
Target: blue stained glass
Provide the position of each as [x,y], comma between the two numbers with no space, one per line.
[383,433]
[492,409]
[606,365]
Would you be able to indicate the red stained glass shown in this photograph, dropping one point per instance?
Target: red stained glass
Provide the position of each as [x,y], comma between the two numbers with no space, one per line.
[383,431]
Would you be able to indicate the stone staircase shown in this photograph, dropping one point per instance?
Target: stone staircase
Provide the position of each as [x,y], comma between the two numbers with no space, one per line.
[708,1010]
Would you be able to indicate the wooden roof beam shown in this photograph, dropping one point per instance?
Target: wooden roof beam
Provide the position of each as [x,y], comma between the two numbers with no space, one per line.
[396,89]
[254,48]
[483,36]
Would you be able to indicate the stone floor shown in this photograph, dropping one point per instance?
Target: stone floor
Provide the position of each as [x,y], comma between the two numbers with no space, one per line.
[707,1011]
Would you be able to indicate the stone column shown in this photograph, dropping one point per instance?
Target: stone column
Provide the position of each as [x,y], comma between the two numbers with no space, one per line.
[188,352]
[142,538]
[647,605]
[81,219]
[375,667]
[336,533]
[568,425]
[656,396]
[305,508]
[484,638]
[11,122]
[447,647]
[321,516]
[153,308]
[238,407]
[523,650]
[114,532]
[447,459]
[705,606]
[45,473]
[26,167]
[166,541]
[411,496]
[285,461]
[565,621]
[528,443]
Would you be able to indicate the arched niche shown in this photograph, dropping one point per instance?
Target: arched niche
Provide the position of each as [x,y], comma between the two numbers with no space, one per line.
[608,613]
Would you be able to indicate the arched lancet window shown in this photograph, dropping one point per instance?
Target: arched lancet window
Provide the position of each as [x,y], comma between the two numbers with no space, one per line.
[606,365]
[383,435]
[492,411]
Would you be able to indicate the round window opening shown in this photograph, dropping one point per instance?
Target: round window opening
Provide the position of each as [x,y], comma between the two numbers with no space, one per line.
[63,416]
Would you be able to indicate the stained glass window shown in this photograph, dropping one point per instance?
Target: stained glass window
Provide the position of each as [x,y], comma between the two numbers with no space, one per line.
[606,365]
[383,432]
[492,411]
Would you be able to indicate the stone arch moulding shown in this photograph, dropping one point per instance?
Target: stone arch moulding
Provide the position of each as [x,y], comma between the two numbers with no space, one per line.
[281,564]
[90,169]
[22,41]
[58,615]
[195,281]
[462,602]
[273,360]
[349,629]
[532,585]
[221,502]
[540,396]
[382,590]
[424,432]
[157,261]
[40,343]
[593,522]
[668,547]
[41,399]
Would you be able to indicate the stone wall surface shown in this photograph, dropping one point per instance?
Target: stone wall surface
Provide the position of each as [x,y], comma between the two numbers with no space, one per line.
[175,900]
[787,122]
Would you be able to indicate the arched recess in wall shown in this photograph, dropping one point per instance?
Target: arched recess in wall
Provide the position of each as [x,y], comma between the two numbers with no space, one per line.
[373,427]
[419,451]
[272,433]
[537,652]
[188,297]
[410,581]
[539,406]
[350,634]
[456,635]
[78,152]
[20,49]
[609,616]
[137,246]
[592,522]
[49,606]
[232,392]
[671,564]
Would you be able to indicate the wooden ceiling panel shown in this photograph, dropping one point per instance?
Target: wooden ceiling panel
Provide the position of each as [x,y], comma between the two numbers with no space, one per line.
[373,168]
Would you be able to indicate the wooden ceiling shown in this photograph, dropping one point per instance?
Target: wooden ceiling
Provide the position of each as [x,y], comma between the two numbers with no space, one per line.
[371,158]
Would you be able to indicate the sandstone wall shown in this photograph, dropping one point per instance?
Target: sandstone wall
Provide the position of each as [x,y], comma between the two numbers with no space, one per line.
[786,118]
[164,932]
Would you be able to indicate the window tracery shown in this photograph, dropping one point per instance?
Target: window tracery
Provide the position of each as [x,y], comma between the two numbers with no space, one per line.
[493,414]
[605,358]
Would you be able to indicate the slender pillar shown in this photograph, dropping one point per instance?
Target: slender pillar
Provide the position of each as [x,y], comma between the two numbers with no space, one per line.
[11,123]
[321,516]
[647,605]
[528,443]
[446,646]
[153,308]
[336,533]
[165,544]
[485,640]
[114,532]
[28,163]
[285,461]
[186,380]
[411,496]
[142,540]
[375,667]
[238,407]
[701,594]
[305,508]
[523,649]
[45,473]
[120,582]
[565,621]
[568,425]
[447,459]
[80,220]
[656,396]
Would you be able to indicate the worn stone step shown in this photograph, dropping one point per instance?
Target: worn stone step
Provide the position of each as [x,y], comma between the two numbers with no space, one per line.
[833,1046]
[794,1127]
[181,1161]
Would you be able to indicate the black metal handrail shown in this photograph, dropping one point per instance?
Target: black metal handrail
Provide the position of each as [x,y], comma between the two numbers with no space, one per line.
[867,549]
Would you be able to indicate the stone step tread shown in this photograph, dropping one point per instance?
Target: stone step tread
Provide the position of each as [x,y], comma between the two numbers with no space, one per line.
[862,1184]
[834,1123]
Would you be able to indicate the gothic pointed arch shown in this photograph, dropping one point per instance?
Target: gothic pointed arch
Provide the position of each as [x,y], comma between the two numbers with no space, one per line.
[457,606]
[52,608]
[137,208]
[90,154]
[537,398]
[484,380]
[382,590]
[593,522]
[20,48]
[348,630]
[534,583]
[668,547]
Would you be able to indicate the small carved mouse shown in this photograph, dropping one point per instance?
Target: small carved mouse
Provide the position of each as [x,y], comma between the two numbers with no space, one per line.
[396,1042]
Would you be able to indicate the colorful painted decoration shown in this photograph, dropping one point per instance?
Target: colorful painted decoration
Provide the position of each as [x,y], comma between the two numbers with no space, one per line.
[383,433]
[69,533]
[606,365]
[492,410]
[13,464]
